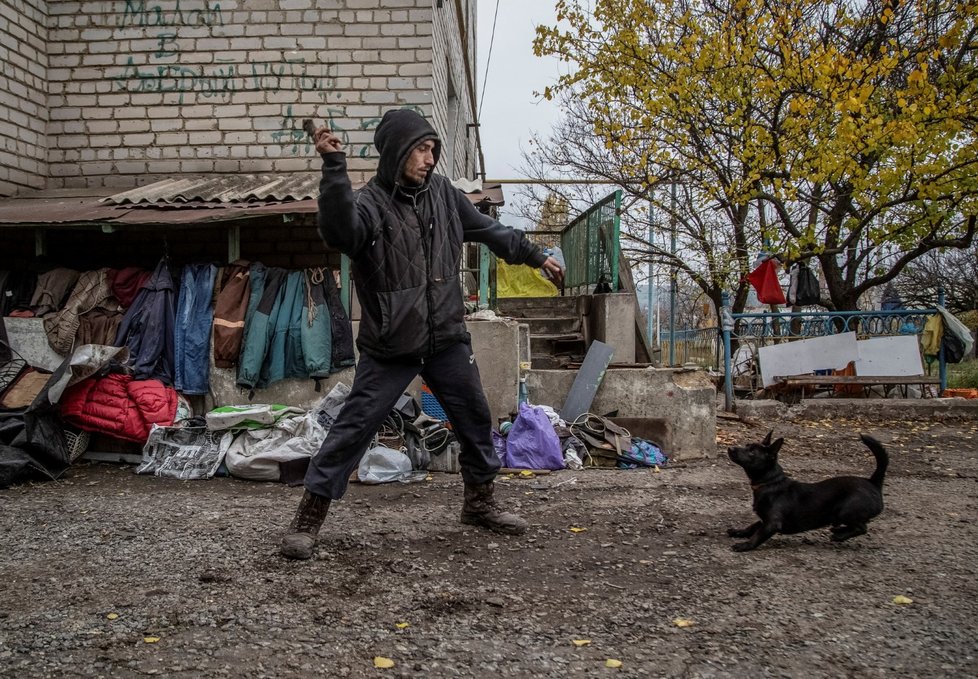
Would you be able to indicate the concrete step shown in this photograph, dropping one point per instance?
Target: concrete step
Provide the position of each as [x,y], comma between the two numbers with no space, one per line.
[537,307]
[554,325]
[570,344]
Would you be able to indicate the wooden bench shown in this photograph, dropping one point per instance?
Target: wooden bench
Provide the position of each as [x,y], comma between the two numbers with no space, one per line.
[816,382]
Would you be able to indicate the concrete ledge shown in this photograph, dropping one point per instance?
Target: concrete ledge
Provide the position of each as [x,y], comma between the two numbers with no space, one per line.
[685,399]
[842,408]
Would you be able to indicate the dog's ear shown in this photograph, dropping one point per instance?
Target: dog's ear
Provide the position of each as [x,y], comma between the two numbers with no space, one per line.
[767,439]
[774,447]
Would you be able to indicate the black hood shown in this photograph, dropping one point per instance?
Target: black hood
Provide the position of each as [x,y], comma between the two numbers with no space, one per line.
[399,132]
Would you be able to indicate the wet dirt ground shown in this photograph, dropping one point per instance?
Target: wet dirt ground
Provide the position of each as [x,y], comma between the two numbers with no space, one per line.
[105,573]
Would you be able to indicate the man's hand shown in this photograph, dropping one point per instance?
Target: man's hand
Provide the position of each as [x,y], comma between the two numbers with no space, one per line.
[326,141]
[556,273]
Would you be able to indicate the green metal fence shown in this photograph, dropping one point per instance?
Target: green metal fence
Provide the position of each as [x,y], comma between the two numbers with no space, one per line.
[590,245]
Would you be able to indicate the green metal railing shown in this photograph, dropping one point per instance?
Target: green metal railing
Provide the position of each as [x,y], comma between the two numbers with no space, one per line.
[590,245]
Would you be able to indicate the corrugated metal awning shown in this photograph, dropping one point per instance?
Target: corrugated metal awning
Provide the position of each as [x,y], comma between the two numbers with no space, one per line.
[183,200]
[249,188]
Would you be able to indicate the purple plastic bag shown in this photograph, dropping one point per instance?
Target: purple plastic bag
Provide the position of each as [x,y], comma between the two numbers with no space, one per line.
[532,442]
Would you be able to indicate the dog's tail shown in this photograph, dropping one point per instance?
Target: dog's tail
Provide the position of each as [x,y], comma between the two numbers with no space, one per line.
[882,459]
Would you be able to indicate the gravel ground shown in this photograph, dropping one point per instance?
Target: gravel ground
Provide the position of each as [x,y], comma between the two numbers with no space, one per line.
[106,573]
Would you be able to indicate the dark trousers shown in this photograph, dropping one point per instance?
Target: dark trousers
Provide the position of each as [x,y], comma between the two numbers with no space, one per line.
[453,378]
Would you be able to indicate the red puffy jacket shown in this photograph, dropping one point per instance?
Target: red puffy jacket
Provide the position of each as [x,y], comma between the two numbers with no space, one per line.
[119,406]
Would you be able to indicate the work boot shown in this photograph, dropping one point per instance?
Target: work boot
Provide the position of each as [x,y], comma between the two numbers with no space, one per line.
[301,538]
[481,509]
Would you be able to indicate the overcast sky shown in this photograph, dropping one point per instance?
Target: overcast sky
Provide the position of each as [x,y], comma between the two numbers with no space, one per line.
[510,112]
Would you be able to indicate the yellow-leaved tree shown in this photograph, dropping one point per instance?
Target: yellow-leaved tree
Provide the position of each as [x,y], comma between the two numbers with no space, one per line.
[836,131]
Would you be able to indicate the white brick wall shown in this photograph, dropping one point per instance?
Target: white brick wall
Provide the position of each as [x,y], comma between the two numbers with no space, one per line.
[452,115]
[122,92]
[141,89]
[23,96]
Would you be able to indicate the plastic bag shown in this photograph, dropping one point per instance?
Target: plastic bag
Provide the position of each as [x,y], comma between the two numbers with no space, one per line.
[532,442]
[184,452]
[381,464]
[517,280]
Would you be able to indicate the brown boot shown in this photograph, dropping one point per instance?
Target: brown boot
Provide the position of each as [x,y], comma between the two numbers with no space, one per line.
[308,519]
[480,509]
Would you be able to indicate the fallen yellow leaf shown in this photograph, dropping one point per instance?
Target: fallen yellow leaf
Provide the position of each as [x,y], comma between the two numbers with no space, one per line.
[683,622]
[526,473]
[402,625]
[900,599]
[112,616]
[382,663]
[575,529]
[581,642]
[611,662]
[151,640]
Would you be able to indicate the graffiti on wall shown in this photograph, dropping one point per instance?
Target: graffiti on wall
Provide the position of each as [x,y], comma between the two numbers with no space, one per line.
[139,13]
[167,72]
[171,69]
[222,79]
[291,132]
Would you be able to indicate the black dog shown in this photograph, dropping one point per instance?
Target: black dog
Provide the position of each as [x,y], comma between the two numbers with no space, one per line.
[846,503]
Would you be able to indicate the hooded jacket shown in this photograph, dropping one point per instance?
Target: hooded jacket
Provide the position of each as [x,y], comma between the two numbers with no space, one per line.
[405,244]
[148,327]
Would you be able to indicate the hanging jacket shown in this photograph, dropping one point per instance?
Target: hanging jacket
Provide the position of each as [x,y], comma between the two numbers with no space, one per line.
[119,406]
[288,333]
[315,327]
[283,355]
[148,326]
[405,244]
[341,329]
[264,306]
[52,290]
[230,309]
[192,337]
[92,291]
[127,282]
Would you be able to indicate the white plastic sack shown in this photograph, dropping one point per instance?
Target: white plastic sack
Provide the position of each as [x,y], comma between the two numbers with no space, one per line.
[381,464]
[248,416]
[952,324]
[255,454]
[184,452]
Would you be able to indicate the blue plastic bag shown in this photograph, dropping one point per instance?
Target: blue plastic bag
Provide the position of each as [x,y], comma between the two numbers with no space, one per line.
[532,442]
[642,454]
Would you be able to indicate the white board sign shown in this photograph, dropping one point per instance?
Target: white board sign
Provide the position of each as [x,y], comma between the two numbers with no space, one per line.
[832,352]
[896,356]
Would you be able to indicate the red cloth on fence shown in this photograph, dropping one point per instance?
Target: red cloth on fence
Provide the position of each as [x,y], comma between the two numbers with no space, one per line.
[765,280]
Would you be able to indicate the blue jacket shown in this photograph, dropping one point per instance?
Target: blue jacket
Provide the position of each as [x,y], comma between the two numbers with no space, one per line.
[148,327]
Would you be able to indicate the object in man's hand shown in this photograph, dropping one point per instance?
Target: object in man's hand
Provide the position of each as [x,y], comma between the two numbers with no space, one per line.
[309,127]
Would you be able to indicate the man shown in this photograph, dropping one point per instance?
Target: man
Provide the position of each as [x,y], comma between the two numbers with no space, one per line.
[403,232]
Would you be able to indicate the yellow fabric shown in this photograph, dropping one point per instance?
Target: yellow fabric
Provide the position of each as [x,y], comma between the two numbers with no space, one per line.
[933,333]
[519,280]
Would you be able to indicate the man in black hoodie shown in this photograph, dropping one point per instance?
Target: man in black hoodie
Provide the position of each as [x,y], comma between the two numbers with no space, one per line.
[403,232]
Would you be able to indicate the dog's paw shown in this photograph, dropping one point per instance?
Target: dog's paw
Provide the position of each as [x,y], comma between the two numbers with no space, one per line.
[742,547]
[737,532]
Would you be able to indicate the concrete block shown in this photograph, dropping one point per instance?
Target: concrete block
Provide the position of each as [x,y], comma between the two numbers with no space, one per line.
[685,400]
[612,320]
